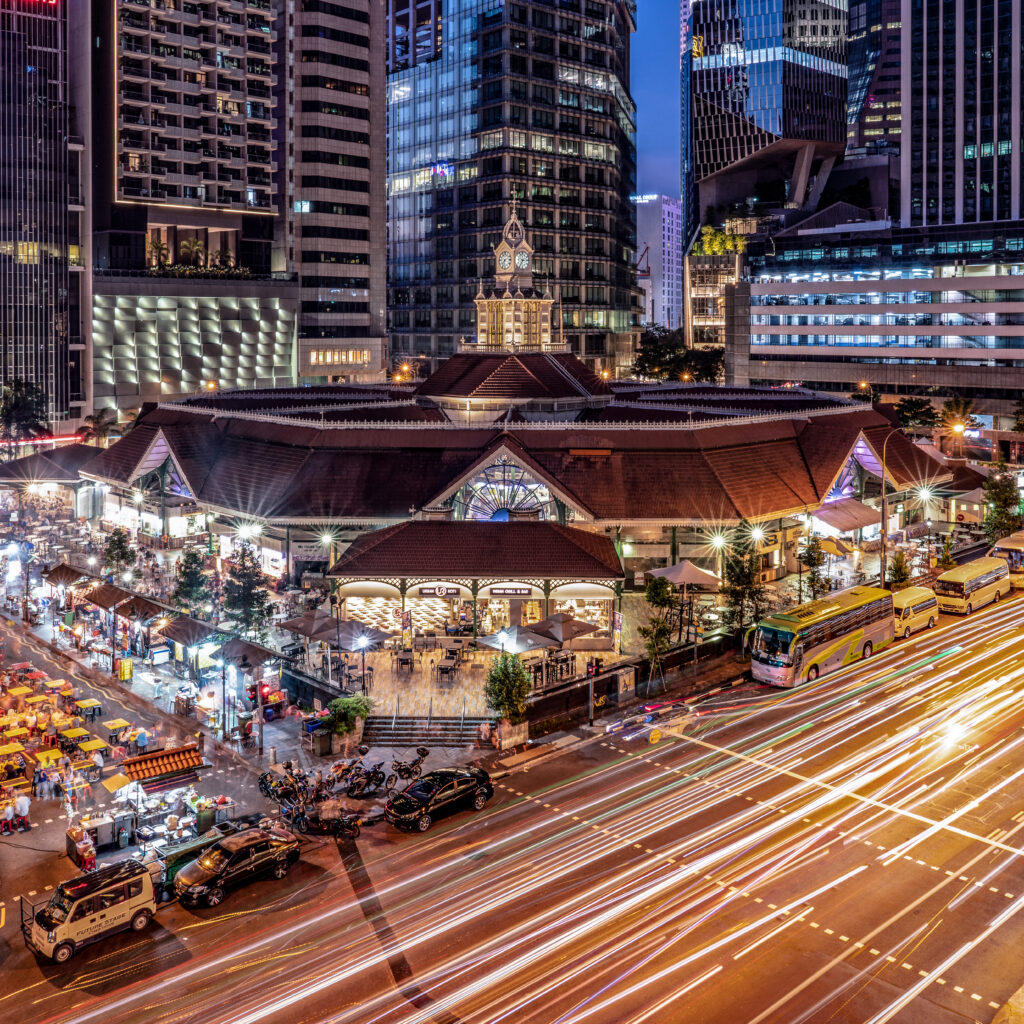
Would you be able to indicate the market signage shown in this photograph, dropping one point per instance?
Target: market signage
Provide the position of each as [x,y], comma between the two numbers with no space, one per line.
[510,591]
[439,591]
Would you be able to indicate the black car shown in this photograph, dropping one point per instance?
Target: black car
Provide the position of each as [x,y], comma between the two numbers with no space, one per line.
[437,793]
[235,860]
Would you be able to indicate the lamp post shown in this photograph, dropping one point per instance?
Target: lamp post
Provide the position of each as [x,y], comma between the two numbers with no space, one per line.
[336,608]
[885,509]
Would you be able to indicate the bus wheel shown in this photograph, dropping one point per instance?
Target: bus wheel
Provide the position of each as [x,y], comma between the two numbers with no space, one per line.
[970,608]
[866,653]
[995,600]
[931,622]
[906,633]
[812,673]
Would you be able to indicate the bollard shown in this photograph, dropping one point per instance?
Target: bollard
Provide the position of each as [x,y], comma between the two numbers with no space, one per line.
[273,755]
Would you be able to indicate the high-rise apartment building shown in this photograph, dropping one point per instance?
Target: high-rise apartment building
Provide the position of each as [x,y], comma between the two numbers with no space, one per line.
[488,102]
[177,105]
[40,204]
[768,100]
[332,126]
[659,231]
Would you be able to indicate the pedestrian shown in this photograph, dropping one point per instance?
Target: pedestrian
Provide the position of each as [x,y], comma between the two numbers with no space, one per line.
[21,806]
[142,741]
[37,779]
[97,759]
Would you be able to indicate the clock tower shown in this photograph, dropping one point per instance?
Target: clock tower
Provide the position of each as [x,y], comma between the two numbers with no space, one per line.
[514,316]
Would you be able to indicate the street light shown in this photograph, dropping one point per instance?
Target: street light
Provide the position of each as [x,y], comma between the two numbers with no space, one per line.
[361,644]
[757,534]
[958,430]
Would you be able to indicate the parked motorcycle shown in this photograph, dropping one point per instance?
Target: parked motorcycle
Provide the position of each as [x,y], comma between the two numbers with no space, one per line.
[341,771]
[305,821]
[367,780]
[409,770]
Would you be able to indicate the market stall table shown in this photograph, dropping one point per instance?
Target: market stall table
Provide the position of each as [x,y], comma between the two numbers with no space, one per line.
[36,675]
[90,745]
[21,666]
[19,691]
[74,734]
[11,748]
[55,684]
[90,708]
[37,699]
[44,757]
[113,727]
[12,734]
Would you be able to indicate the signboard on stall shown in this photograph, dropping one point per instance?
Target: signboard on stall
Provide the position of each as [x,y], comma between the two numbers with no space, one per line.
[309,551]
[451,592]
[616,631]
[125,667]
[407,629]
[511,591]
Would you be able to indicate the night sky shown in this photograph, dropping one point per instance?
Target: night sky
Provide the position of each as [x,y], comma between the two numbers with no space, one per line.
[655,87]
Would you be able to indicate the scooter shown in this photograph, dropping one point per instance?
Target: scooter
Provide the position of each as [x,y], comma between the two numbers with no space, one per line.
[302,821]
[406,769]
[369,780]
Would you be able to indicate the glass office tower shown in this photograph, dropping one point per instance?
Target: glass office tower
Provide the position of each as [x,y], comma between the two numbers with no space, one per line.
[490,101]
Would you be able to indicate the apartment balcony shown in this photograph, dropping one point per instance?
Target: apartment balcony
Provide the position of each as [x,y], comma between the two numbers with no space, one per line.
[182,179]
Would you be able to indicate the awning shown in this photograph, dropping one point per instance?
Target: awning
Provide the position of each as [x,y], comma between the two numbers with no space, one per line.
[248,656]
[161,764]
[140,608]
[65,575]
[107,596]
[847,515]
[835,546]
[187,632]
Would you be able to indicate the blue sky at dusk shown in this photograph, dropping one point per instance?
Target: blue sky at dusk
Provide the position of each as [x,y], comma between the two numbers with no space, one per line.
[655,87]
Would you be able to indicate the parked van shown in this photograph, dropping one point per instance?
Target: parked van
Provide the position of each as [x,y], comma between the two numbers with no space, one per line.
[973,585]
[913,609]
[98,903]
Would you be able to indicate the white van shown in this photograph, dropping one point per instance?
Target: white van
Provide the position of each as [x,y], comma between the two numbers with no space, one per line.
[973,585]
[913,609]
[98,903]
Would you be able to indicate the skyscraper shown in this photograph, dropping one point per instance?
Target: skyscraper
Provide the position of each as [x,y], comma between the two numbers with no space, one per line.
[40,312]
[659,230]
[489,102]
[182,197]
[331,123]
[768,94]
[873,98]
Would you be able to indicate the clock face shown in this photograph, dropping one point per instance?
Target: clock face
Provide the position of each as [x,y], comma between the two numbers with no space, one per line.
[522,260]
[505,260]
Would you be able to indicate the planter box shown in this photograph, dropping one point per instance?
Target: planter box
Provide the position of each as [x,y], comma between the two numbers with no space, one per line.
[510,735]
[348,743]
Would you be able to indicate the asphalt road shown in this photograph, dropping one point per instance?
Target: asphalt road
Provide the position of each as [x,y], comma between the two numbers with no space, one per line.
[849,851]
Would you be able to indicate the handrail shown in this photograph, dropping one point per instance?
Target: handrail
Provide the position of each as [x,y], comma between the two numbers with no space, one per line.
[394,717]
[462,720]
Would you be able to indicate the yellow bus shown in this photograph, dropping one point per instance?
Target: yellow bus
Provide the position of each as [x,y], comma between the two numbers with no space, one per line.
[973,585]
[1011,550]
[821,636]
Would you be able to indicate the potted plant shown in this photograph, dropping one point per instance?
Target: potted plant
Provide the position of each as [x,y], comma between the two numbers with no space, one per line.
[507,689]
[344,720]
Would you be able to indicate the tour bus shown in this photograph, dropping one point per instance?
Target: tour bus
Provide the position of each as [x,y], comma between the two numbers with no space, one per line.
[973,585]
[914,608]
[821,636]
[1011,549]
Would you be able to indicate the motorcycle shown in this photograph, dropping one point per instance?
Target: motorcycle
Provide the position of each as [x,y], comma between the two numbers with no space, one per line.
[304,821]
[341,771]
[409,770]
[367,781]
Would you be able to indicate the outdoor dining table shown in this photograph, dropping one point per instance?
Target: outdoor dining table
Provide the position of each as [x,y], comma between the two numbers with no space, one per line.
[405,658]
[44,757]
[446,666]
[11,748]
[74,734]
[36,675]
[21,666]
[37,699]
[13,734]
[19,691]
[90,745]
[90,708]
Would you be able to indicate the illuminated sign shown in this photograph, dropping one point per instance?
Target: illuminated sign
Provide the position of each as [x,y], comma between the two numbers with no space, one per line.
[439,592]
[510,591]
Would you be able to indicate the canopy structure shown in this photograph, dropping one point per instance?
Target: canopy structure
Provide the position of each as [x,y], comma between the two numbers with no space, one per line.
[246,655]
[835,546]
[164,769]
[64,575]
[316,625]
[847,515]
[686,574]
[107,596]
[138,607]
[562,628]
[187,632]
[517,640]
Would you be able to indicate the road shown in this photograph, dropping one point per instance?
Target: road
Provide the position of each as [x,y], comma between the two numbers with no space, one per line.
[850,851]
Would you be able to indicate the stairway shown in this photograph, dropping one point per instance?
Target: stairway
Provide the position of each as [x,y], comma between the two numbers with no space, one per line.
[387,731]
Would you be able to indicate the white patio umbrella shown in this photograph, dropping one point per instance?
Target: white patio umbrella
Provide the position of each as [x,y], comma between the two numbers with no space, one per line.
[685,574]
[517,640]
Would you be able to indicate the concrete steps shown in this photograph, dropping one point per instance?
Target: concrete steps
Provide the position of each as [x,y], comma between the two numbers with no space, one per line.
[386,731]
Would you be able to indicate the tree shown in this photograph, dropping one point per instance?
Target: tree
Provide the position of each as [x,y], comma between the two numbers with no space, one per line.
[245,591]
[191,583]
[741,579]
[1002,503]
[1018,416]
[345,710]
[945,560]
[663,355]
[192,251]
[158,251]
[99,425]
[812,558]
[508,686]
[899,572]
[916,412]
[222,259]
[716,242]
[23,411]
[119,553]
[661,598]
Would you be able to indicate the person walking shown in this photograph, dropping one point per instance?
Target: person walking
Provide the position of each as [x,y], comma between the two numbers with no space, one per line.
[37,779]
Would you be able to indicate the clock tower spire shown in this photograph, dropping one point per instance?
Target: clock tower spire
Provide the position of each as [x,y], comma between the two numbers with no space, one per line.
[513,256]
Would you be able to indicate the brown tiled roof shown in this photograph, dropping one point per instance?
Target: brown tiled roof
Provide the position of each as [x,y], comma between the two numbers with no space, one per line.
[186,631]
[106,595]
[520,376]
[468,550]
[119,462]
[163,762]
[59,466]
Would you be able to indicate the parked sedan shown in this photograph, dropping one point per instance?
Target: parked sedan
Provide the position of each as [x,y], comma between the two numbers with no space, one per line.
[235,860]
[438,793]
[649,716]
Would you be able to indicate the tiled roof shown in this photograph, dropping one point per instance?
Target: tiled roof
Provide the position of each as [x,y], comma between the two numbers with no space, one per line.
[118,463]
[445,550]
[146,767]
[59,466]
[520,376]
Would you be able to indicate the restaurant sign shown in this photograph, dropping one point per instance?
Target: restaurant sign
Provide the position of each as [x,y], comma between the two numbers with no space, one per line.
[511,591]
[440,591]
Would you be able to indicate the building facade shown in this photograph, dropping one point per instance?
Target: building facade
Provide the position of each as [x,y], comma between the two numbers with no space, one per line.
[177,107]
[659,224]
[489,103]
[41,337]
[331,123]
[873,106]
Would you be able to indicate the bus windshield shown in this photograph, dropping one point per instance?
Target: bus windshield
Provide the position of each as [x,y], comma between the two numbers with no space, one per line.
[773,646]
[1012,556]
[951,588]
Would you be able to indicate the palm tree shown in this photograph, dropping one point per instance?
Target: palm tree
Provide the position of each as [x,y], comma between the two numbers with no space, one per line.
[222,258]
[99,425]
[957,418]
[23,412]
[193,251]
[158,251]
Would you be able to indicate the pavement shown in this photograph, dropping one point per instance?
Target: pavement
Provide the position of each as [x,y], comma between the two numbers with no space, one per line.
[850,851]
